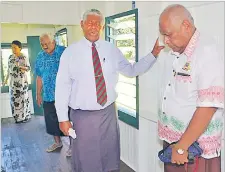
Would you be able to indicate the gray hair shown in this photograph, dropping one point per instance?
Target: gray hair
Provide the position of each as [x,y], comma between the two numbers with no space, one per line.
[178,11]
[93,12]
[49,35]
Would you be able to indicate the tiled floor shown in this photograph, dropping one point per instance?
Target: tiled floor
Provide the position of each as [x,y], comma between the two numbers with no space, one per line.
[23,148]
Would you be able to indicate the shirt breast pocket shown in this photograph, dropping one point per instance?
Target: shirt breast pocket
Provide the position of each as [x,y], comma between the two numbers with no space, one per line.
[108,65]
[182,85]
[109,70]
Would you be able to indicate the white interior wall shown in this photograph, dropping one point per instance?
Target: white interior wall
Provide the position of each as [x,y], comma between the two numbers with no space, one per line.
[12,31]
[40,12]
[20,32]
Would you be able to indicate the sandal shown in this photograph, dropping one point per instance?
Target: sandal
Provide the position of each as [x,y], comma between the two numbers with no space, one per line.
[54,147]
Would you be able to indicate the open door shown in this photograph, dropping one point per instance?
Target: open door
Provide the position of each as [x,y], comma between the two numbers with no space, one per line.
[34,48]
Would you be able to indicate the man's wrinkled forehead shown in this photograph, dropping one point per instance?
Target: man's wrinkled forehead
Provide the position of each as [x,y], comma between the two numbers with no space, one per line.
[93,18]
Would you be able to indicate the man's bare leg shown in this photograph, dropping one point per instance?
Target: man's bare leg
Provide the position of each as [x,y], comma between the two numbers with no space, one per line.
[56,145]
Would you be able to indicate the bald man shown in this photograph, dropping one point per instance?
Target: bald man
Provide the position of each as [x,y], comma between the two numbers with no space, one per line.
[193,101]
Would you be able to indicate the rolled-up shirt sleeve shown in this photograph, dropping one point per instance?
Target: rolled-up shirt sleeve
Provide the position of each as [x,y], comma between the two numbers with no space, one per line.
[137,68]
[63,87]
[210,85]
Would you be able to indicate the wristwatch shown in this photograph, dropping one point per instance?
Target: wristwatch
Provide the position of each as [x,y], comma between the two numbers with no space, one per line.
[180,151]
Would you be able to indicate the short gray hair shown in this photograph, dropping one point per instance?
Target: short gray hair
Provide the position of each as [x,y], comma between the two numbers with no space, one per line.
[92,12]
[174,8]
[49,35]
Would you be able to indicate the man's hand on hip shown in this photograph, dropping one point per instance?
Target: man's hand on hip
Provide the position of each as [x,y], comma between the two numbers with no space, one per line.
[64,127]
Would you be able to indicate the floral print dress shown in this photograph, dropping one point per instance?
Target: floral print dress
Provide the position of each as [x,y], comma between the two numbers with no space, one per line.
[19,88]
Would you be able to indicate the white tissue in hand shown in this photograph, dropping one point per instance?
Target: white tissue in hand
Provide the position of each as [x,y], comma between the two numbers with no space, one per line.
[72,133]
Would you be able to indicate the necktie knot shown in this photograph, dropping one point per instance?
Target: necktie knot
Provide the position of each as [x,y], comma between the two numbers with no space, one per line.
[93,44]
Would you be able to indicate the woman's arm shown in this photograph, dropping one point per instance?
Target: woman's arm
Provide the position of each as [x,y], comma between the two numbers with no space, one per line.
[7,74]
[26,65]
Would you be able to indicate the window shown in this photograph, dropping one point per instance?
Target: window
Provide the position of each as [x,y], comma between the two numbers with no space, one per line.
[122,30]
[61,37]
[5,53]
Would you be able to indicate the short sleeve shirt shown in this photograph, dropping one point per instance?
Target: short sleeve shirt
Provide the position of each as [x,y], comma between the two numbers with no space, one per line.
[196,80]
[46,67]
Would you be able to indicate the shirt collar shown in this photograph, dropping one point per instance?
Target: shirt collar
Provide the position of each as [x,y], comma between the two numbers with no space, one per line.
[190,47]
[192,44]
[89,43]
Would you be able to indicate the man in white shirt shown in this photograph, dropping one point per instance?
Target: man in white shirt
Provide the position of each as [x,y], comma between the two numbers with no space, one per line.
[86,81]
[193,101]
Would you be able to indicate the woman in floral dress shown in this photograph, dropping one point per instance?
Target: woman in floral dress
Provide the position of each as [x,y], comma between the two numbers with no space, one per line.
[18,66]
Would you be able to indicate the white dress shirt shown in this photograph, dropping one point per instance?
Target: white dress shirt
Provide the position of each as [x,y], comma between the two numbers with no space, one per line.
[196,80]
[75,82]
